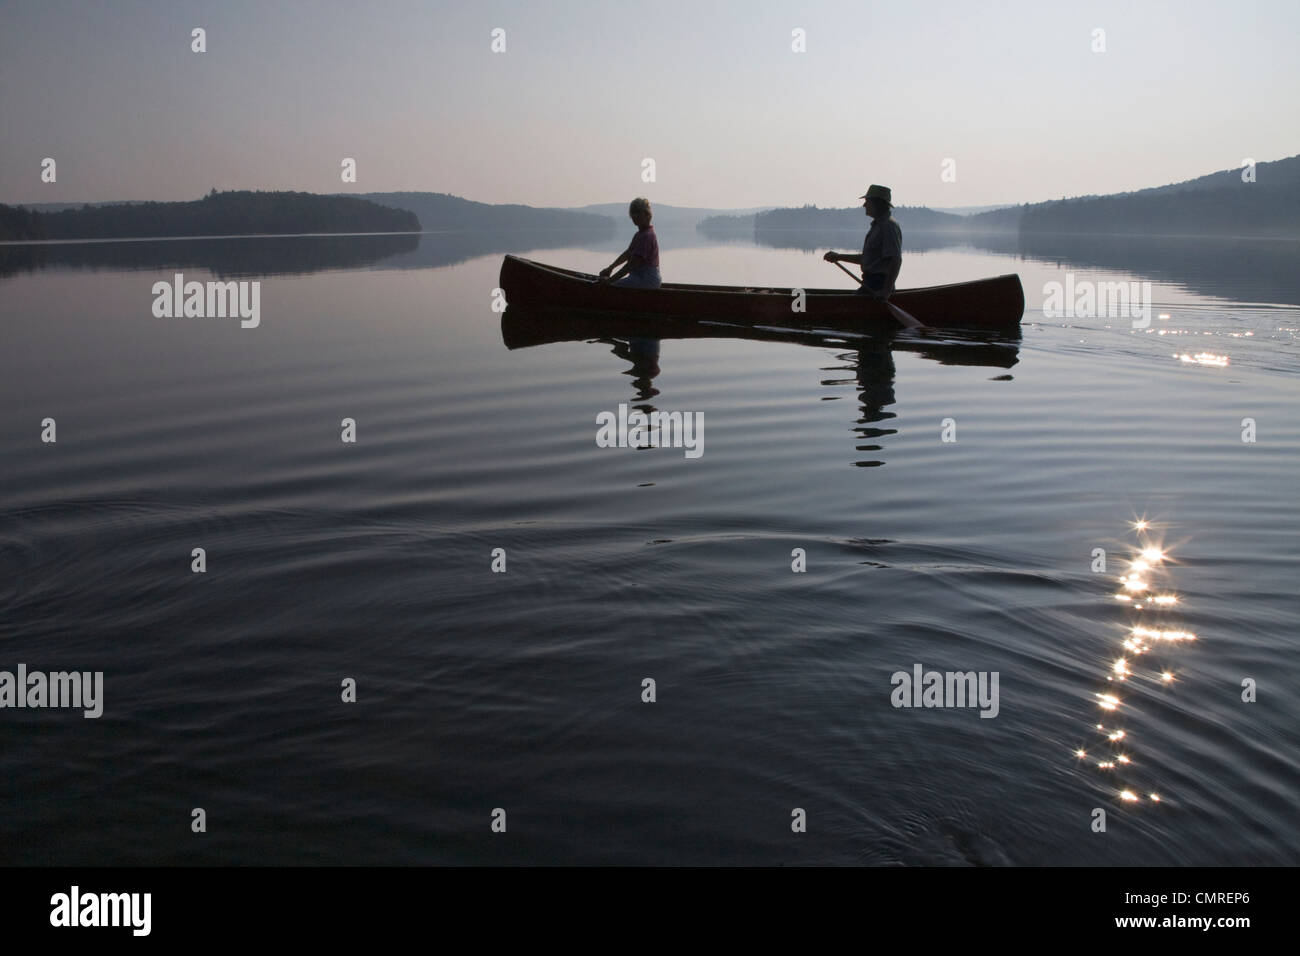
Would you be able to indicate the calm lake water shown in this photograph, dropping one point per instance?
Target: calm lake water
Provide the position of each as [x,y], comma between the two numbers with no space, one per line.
[523,690]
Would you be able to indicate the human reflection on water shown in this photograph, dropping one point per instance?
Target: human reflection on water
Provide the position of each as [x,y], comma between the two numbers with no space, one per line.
[867,360]
[644,356]
[873,370]
[875,377]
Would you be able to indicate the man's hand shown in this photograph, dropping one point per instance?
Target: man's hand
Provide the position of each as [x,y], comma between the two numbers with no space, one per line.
[604,275]
[832,257]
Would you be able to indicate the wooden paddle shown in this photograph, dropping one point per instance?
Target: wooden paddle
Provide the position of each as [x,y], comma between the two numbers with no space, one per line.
[904,319]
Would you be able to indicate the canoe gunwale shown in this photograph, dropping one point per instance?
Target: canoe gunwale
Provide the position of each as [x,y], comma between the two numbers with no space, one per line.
[573,275]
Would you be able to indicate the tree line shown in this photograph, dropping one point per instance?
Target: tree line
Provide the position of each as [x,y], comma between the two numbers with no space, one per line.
[232,213]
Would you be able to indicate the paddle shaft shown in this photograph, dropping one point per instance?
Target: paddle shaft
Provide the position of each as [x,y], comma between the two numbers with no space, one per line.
[848,273]
[903,318]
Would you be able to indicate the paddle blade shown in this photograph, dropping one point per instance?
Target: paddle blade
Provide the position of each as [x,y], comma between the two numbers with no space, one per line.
[905,318]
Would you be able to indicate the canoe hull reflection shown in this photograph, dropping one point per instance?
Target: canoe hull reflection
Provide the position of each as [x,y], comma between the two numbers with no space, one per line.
[527,328]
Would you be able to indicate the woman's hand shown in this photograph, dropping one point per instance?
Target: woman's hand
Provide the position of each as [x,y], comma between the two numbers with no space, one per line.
[832,257]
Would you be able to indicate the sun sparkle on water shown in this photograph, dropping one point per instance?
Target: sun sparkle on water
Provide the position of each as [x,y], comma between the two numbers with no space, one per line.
[1205,358]
[1148,561]
[1165,635]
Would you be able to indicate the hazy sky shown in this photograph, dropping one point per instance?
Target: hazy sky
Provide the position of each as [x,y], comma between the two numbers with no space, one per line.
[712,91]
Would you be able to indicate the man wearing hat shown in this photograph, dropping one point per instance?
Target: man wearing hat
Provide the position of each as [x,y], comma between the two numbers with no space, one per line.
[882,250]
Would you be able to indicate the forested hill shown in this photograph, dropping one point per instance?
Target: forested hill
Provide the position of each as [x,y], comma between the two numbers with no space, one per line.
[1280,172]
[1220,204]
[918,218]
[809,217]
[216,214]
[444,211]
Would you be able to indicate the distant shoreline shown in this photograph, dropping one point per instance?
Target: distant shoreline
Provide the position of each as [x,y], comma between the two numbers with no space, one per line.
[247,235]
[806,230]
[216,214]
[282,235]
[1263,205]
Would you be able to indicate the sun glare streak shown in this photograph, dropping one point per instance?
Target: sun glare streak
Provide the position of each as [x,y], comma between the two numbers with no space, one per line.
[1146,565]
[1165,635]
[1205,358]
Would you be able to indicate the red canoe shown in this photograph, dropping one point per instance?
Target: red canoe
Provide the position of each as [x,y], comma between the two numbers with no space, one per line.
[996,303]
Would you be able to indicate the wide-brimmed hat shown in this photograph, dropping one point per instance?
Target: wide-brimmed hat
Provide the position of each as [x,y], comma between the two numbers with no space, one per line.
[879,192]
